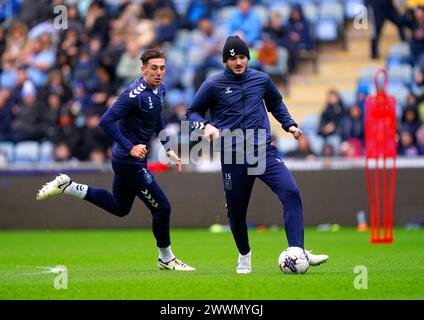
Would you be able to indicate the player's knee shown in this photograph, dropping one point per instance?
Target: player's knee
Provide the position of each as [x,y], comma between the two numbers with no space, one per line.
[163,210]
[122,211]
[292,192]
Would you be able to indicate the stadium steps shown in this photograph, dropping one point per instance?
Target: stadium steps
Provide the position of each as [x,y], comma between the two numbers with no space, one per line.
[338,68]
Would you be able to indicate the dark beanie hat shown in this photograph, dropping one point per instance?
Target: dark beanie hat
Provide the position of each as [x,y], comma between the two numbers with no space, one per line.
[234,46]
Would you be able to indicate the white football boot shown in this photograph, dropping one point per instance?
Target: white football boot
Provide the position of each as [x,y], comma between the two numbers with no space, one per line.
[54,187]
[244,264]
[174,264]
[316,259]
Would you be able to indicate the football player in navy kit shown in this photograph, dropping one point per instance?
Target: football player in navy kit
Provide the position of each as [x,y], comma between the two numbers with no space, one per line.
[131,122]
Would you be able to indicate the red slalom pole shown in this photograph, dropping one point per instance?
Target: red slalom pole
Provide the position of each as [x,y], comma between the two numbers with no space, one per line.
[380,145]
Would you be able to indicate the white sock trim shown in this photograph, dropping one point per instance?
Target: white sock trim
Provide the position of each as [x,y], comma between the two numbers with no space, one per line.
[165,254]
[76,190]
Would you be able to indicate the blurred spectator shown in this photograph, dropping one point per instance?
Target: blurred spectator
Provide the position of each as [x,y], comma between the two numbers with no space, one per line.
[267,53]
[299,34]
[15,43]
[352,148]
[196,11]
[151,6]
[361,95]
[40,59]
[21,78]
[353,124]
[407,145]
[417,38]
[74,20]
[166,25]
[129,65]
[206,50]
[134,25]
[410,120]
[6,115]
[33,12]
[281,37]
[51,115]
[379,12]
[420,139]
[328,150]
[80,103]
[29,116]
[111,55]
[93,139]
[332,115]
[246,23]
[303,149]
[2,41]
[103,89]
[178,114]
[85,70]
[70,45]
[97,21]
[56,85]
[68,136]
[62,152]
[8,10]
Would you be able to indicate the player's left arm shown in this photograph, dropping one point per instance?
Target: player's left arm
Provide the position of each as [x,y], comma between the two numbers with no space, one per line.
[274,104]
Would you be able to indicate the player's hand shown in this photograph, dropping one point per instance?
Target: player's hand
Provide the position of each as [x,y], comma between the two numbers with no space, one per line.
[296,132]
[173,156]
[139,151]
[211,133]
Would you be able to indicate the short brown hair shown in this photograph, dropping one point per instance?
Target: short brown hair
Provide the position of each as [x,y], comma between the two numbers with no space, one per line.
[151,54]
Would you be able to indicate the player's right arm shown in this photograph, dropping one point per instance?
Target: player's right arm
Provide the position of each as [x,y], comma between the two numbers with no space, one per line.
[196,113]
[119,109]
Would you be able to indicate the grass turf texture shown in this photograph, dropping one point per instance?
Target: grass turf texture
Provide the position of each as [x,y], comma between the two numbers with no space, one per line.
[121,264]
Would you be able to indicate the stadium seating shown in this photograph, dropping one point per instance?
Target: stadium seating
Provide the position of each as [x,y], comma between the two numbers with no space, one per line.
[6,148]
[26,152]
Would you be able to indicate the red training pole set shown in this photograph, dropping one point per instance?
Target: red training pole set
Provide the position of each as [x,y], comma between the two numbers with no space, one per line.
[380,145]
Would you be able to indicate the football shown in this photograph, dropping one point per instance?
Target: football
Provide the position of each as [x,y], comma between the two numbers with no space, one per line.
[293,260]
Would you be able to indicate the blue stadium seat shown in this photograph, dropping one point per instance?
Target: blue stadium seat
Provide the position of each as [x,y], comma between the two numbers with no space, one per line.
[310,123]
[326,30]
[400,92]
[400,49]
[402,72]
[222,16]
[310,10]
[46,151]
[6,148]
[26,152]
[399,54]
[348,97]
[286,144]
[263,13]
[182,39]
[316,142]
[332,9]
[283,9]
[351,8]
[336,142]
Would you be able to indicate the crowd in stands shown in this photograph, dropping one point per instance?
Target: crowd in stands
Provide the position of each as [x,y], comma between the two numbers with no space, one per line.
[342,124]
[56,83]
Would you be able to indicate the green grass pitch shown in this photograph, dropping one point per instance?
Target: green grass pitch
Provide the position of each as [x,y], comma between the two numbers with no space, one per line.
[121,264]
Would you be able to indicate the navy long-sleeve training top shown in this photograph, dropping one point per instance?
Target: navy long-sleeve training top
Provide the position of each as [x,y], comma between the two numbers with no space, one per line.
[239,102]
[133,118]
